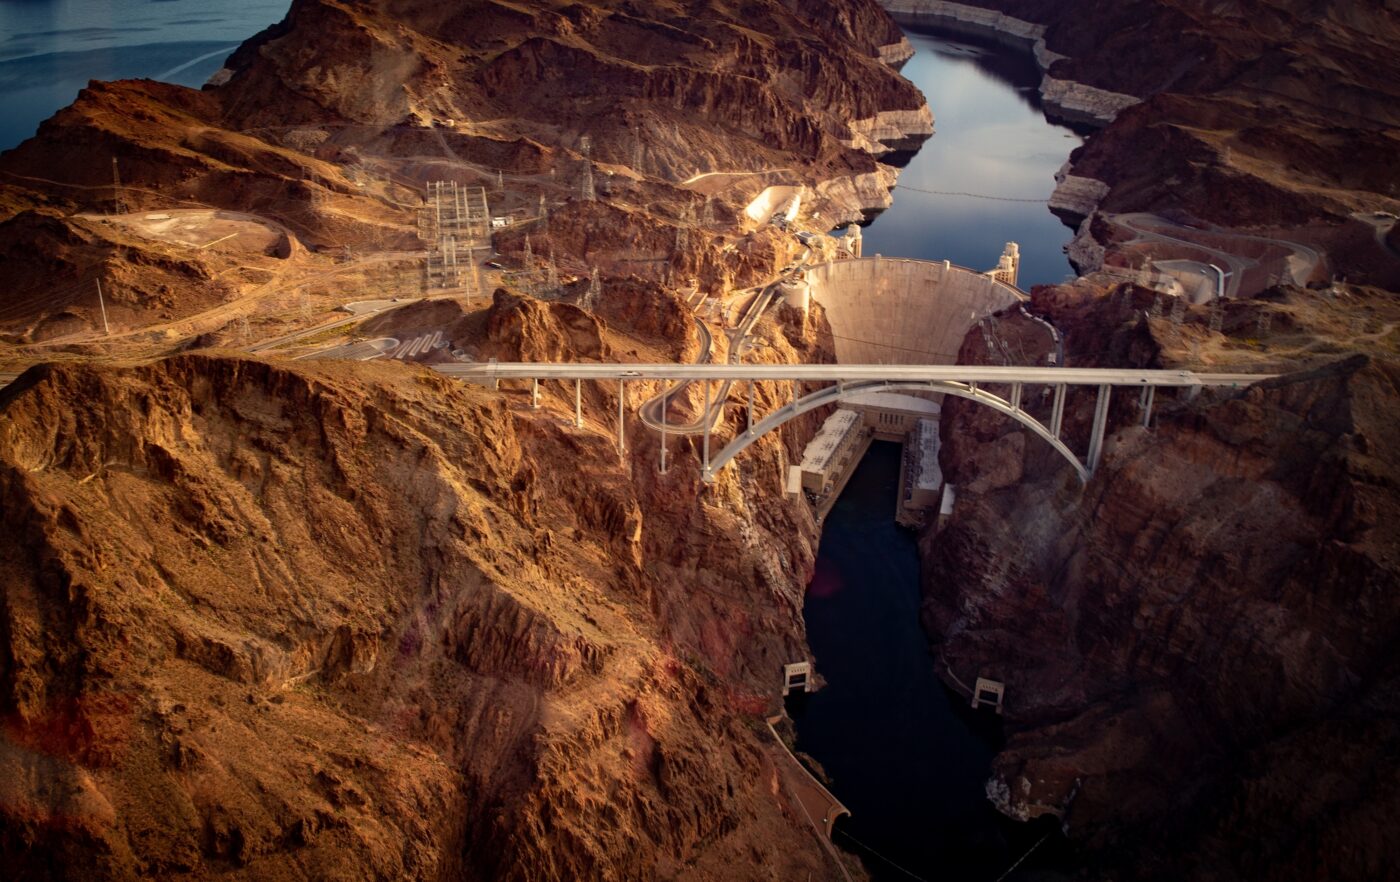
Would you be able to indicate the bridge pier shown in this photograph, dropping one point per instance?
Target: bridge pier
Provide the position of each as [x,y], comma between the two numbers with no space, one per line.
[1057,415]
[535,394]
[665,406]
[748,428]
[1100,425]
[1015,396]
[578,404]
[705,463]
[621,416]
[1148,393]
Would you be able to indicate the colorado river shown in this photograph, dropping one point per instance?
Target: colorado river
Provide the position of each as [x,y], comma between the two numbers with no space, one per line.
[906,756]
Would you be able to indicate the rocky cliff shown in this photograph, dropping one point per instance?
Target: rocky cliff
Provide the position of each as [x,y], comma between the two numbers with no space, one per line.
[1186,639]
[361,622]
[331,122]
[272,619]
[1274,115]
[1198,644]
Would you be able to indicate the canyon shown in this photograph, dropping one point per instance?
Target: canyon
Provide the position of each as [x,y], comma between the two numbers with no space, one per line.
[275,617]
[1196,647]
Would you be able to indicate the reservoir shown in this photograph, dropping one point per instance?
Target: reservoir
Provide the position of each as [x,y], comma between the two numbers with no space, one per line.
[992,140]
[906,756]
[50,49]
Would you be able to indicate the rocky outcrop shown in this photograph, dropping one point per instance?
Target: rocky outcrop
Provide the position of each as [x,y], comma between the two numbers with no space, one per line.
[1234,114]
[1077,102]
[857,195]
[1075,196]
[895,54]
[521,329]
[332,122]
[891,130]
[1214,606]
[272,622]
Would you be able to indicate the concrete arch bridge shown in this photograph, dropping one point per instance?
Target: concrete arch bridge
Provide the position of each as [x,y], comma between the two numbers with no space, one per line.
[851,380]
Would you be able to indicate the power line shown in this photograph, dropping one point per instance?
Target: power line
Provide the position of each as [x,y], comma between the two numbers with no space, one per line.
[1011,869]
[880,856]
[1002,878]
[969,195]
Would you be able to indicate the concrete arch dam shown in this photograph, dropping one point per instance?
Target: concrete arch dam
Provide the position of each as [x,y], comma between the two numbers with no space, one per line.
[895,311]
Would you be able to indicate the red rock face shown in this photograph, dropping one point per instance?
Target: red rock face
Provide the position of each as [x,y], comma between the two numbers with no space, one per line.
[1186,639]
[282,622]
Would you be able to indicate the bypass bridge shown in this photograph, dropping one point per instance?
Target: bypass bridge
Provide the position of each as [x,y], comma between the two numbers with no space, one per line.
[1004,389]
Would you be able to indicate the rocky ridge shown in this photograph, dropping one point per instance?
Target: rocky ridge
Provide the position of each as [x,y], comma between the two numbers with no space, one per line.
[331,122]
[381,634]
[1197,643]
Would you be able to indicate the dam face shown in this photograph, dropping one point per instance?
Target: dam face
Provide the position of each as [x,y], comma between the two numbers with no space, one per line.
[895,311]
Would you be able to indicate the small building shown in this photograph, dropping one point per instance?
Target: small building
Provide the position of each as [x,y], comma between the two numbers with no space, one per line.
[921,478]
[826,457]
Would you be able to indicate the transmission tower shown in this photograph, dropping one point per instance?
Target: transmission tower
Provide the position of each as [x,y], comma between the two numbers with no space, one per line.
[595,289]
[118,207]
[683,230]
[551,280]
[585,147]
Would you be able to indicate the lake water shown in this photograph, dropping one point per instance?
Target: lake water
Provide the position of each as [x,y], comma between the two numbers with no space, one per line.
[50,49]
[906,756]
[993,140]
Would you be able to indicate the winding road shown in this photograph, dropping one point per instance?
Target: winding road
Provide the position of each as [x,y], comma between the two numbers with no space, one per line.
[1145,227]
[654,413]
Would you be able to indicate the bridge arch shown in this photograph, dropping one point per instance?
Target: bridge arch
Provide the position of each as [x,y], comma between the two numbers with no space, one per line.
[840,391]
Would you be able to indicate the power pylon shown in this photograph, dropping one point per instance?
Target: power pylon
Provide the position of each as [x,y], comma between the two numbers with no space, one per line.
[118,206]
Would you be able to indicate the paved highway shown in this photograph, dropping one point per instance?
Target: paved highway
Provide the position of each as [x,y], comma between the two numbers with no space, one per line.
[651,411]
[1149,227]
[853,373]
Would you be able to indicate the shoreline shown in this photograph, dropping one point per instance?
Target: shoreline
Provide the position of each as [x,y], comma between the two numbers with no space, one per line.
[1075,198]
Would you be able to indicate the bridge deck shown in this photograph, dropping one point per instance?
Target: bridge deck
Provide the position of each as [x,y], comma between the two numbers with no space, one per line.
[1051,376]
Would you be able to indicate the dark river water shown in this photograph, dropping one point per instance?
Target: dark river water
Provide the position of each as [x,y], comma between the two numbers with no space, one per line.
[902,757]
[906,756]
[49,49]
[992,140]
